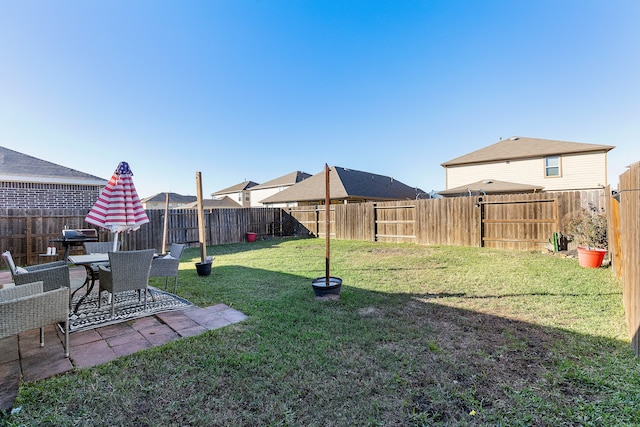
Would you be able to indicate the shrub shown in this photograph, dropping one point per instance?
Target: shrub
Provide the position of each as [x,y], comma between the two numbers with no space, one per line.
[588,230]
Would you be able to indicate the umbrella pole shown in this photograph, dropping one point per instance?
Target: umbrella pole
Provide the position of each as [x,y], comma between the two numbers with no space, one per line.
[115,241]
[327,201]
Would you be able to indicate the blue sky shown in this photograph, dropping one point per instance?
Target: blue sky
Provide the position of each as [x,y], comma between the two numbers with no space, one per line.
[257,89]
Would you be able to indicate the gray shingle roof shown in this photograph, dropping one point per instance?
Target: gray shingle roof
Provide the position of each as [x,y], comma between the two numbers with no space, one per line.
[518,147]
[491,186]
[345,184]
[173,198]
[15,166]
[235,188]
[288,179]
[225,202]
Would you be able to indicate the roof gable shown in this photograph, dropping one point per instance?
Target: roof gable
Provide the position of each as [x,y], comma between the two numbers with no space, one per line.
[236,188]
[491,186]
[225,202]
[288,179]
[15,166]
[343,184]
[173,198]
[522,147]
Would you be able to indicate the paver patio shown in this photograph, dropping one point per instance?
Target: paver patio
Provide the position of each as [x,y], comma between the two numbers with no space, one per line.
[22,358]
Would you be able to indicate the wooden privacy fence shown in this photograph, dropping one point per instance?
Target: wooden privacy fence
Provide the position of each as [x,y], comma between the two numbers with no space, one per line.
[624,245]
[28,232]
[519,221]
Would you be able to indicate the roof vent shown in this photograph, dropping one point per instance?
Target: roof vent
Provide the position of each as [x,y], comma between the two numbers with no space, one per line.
[487,181]
[514,138]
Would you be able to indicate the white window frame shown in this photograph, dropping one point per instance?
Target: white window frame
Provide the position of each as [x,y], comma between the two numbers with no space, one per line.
[548,167]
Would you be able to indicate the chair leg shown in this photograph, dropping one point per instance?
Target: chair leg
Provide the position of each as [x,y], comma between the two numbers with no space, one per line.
[175,284]
[166,283]
[41,337]
[66,338]
[113,302]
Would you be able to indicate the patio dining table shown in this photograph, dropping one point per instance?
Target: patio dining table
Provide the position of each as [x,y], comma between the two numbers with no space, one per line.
[92,274]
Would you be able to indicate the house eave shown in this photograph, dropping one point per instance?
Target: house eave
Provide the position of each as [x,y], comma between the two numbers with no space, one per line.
[52,180]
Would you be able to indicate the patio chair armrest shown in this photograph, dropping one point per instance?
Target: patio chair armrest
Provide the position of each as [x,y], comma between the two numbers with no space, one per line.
[21,291]
[38,267]
[34,311]
[52,278]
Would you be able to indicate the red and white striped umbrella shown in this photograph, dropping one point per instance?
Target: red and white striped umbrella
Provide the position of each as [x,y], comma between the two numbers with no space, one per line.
[118,207]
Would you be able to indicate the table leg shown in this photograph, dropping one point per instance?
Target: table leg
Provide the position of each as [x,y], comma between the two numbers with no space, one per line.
[90,281]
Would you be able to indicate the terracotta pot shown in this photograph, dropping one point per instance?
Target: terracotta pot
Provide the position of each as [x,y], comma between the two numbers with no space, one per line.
[590,257]
[251,237]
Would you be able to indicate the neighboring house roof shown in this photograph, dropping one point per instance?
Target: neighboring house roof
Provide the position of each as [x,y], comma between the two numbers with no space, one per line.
[236,188]
[285,180]
[518,147]
[491,186]
[225,202]
[345,184]
[19,167]
[173,198]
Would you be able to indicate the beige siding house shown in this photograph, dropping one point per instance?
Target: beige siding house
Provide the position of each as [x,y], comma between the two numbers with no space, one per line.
[542,164]
[240,193]
[267,189]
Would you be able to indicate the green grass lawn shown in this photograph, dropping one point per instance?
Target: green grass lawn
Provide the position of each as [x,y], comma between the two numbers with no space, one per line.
[420,336]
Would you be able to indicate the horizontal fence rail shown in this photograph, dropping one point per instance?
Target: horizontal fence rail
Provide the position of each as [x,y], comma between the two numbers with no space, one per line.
[27,233]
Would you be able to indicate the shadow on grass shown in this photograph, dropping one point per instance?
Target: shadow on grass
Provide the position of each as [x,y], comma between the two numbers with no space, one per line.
[403,359]
[371,358]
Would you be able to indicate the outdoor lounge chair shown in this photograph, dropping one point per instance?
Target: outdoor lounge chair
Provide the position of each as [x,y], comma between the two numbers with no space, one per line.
[53,275]
[127,270]
[167,266]
[28,306]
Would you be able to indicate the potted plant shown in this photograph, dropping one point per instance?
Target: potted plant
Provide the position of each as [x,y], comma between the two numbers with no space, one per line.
[589,231]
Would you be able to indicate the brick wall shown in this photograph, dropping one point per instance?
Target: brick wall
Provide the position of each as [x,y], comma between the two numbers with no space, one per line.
[47,196]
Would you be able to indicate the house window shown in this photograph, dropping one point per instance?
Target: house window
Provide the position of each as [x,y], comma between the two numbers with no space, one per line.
[247,197]
[552,166]
[240,197]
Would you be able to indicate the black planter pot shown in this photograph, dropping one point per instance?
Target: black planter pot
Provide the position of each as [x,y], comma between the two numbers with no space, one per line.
[203,268]
[321,289]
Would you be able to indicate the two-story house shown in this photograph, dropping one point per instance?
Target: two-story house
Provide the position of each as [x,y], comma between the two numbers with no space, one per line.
[521,164]
[240,193]
[263,191]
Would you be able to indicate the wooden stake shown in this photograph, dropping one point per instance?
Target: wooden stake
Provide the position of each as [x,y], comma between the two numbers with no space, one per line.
[201,228]
[166,223]
[327,202]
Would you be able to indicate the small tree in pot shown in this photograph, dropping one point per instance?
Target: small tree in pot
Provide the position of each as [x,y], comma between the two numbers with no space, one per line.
[589,231]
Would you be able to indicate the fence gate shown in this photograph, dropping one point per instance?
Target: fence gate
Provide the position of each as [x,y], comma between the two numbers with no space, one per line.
[518,224]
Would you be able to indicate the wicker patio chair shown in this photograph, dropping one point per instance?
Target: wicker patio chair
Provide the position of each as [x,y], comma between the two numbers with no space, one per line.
[26,307]
[167,266]
[99,247]
[53,274]
[127,270]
